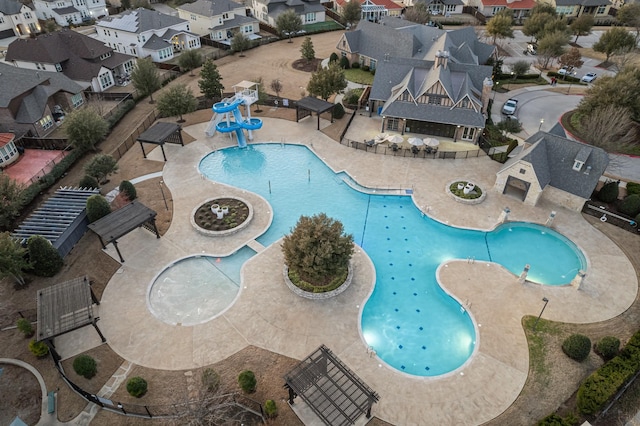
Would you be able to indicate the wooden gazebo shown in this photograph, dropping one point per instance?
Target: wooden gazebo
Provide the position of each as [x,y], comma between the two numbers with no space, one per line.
[308,105]
[159,134]
[122,221]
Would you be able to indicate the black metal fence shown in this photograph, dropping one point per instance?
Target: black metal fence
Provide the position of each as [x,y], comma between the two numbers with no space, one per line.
[492,151]
[601,211]
[423,152]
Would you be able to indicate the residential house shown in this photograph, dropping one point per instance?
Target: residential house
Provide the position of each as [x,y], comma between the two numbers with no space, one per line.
[85,60]
[520,9]
[17,20]
[555,168]
[427,80]
[444,7]
[603,11]
[34,102]
[66,12]
[220,19]
[142,32]
[374,10]
[310,11]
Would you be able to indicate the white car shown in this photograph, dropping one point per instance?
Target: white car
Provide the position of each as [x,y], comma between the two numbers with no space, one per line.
[589,77]
[565,70]
[509,107]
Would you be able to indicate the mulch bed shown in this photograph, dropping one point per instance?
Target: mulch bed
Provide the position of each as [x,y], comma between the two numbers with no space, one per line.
[306,66]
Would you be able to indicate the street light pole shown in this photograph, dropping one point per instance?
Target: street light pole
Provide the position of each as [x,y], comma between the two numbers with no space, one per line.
[571,81]
[545,300]
[541,123]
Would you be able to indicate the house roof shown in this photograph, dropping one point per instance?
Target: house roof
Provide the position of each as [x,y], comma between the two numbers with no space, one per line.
[5,138]
[10,7]
[235,22]
[513,4]
[139,20]
[69,10]
[156,43]
[552,157]
[582,2]
[211,7]
[16,82]
[387,4]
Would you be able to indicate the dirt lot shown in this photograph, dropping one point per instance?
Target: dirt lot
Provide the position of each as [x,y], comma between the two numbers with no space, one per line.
[553,377]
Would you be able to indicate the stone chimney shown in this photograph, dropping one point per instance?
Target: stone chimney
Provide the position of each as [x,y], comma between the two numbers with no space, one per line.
[487,87]
[442,56]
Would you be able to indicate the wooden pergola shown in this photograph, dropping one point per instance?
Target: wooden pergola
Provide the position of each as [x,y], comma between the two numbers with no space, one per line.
[122,221]
[330,388]
[308,105]
[65,307]
[159,134]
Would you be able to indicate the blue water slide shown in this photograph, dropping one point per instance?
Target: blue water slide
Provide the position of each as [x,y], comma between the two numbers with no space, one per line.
[222,107]
[251,124]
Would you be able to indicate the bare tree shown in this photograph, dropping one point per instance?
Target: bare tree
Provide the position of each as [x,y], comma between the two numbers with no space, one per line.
[611,128]
[276,86]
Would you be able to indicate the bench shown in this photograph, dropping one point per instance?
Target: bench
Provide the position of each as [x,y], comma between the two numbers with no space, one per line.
[52,402]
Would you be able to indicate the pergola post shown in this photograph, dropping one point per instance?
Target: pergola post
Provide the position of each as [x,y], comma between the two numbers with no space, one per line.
[179,131]
[163,154]
[144,154]
[115,244]
[95,325]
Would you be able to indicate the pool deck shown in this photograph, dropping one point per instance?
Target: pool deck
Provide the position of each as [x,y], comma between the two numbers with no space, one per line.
[266,314]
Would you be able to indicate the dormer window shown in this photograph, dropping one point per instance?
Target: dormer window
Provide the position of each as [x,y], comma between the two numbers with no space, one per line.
[58,67]
[577,165]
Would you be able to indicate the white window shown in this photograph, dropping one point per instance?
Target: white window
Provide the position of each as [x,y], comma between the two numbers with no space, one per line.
[27,15]
[497,9]
[193,17]
[450,8]
[247,29]
[577,165]
[105,80]
[46,122]
[310,17]
[1,20]
[77,100]
[128,66]
[601,9]
[225,16]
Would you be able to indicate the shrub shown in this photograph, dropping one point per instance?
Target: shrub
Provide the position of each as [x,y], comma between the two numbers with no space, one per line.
[97,207]
[354,65]
[247,381]
[637,218]
[352,96]
[39,349]
[270,408]
[88,182]
[128,189]
[344,63]
[137,386]
[85,366]
[373,71]
[554,420]
[633,188]
[25,327]
[333,57]
[317,250]
[45,259]
[210,379]
[366,68]
[608,347]
[630,205]
[577,347]
[338,111]
[609,192]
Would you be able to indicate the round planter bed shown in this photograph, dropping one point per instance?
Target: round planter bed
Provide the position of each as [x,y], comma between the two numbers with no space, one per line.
[221,216]
[318,296]
[465,192]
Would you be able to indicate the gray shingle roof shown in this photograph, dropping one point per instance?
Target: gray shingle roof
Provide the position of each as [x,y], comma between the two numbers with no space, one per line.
[235,22]
[139,20]
[35,86]
[210,7]
[10,7]
[552,158]
[582,2]
[69,10]
[156,43]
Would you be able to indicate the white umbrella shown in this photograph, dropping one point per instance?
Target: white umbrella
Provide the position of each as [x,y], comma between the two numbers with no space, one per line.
[381,136]
[432,142]
[395,139]
[415,141]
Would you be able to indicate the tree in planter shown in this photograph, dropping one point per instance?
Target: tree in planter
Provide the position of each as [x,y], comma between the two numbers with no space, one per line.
[84,128]
[276,86]
[101,166]
[25,327]
[45,259]
[190,60]
[551,47]
[145,78]
[307,49]
[13,259]
[510,125]
[520,68]
[289,23]
[247,381]
[85,366]
[137,386]
[97,207]
[327,81]
[177,100]
[240,43]
[630,205]
[210,80]
[317,250]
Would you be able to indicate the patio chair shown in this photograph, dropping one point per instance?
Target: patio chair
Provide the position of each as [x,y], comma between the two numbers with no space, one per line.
[370,142]
[395,147]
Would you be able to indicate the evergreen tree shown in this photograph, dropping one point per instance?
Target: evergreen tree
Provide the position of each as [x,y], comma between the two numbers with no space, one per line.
[615,41]
[582,26]
[85,128]
[500,26]
[101,166]
[10,201]
[13,260]
[307,50]
[210,80]
[240,43]
[351,12]
[145,78]
[46,259]
[189,60]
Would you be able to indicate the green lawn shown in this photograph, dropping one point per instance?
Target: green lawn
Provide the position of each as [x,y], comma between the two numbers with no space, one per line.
[356,75]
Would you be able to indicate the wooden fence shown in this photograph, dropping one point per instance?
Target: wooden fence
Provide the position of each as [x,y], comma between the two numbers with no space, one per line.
[130,141]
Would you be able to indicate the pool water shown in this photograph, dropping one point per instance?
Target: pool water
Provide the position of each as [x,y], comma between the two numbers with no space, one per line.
[411,323]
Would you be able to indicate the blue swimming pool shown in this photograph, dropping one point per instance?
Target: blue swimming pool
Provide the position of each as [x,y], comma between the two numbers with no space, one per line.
[411,323]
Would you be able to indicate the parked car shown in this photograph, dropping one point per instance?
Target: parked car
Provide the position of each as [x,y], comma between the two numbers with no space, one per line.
[509,107]
[589,77]
[532,48]
[566,70]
